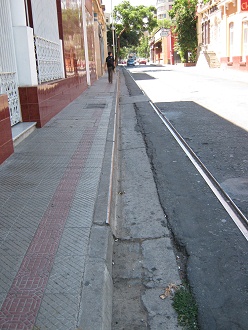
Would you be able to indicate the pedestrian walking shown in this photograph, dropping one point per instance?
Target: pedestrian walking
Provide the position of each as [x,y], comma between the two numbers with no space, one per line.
[110,64]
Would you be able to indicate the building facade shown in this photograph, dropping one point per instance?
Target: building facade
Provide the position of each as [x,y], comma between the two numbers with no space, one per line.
[162,43]
[163,6]
[51,50]
[223,33]
[162,47]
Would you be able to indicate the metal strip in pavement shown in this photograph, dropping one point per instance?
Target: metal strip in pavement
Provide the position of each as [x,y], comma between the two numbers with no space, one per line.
[114,146]
[133,99]
[227,203]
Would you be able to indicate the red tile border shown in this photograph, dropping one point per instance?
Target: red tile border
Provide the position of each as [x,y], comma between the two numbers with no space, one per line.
[22,303]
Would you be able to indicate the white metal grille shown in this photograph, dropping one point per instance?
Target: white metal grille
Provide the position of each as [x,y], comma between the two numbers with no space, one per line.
[48,57]
[8,86]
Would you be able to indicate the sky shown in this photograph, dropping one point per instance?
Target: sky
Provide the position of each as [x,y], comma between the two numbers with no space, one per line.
[107,3]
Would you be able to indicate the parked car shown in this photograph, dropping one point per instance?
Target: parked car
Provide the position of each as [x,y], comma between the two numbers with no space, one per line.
[142,61]
[131,61]
[123,62]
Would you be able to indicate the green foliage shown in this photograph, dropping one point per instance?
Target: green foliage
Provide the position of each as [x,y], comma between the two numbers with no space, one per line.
[109,37]
[165,23]
[133,21]
[129,38]
[71,21]
[143,49]
[124,51]
[135,18]
[185,306]
[183,14]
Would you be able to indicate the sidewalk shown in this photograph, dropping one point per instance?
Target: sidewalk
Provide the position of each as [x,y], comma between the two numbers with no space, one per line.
[54,199]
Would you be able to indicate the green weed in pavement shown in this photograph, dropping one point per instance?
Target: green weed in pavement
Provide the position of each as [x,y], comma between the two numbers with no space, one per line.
[185,306]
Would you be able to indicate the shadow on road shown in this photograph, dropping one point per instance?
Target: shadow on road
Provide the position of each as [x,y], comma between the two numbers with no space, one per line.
[220,144]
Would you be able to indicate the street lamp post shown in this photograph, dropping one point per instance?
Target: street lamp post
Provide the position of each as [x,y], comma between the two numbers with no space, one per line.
[113,30]
[113,39]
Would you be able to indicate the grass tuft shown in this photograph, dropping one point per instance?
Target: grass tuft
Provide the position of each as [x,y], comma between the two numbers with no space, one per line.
[186,308]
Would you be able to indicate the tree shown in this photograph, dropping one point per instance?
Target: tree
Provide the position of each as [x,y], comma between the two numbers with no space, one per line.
[183,14]
[124,51]
[164,23]
[128,39]
[143,48]
[71,19]
[133,20]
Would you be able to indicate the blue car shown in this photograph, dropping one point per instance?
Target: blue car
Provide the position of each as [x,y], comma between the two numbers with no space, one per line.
[131,61]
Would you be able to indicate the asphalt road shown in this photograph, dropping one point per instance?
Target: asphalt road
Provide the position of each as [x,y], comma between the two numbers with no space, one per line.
[211,113]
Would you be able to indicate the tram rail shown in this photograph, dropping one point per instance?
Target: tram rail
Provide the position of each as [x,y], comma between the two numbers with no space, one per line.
[232,209]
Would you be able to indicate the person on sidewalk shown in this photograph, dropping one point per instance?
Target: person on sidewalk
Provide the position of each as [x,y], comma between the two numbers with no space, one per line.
[110,64]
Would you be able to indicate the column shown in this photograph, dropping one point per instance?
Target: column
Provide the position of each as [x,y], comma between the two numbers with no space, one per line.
[24,45]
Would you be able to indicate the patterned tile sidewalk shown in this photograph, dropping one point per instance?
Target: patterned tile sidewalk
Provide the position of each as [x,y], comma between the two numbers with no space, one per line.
[48,189]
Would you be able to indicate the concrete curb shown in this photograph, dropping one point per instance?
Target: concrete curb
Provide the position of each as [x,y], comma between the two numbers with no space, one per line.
[97,288]
[96,303]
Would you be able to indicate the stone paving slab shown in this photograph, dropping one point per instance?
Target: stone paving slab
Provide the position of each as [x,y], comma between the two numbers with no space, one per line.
[49,188]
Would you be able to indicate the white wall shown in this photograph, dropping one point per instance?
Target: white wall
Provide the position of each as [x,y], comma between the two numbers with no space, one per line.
[7,49]
[23,44]
[26,63]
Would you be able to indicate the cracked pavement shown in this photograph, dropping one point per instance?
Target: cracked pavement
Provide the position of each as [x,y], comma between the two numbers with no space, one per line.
[144,262]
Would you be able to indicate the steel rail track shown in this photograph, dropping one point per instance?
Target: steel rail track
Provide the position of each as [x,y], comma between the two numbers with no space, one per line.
[232,209]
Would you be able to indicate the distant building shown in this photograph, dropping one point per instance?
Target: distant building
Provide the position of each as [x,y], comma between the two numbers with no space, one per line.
[163,6]
[223,33]
[162,48]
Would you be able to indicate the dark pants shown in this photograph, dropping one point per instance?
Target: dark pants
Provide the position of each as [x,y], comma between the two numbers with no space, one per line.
[110,74]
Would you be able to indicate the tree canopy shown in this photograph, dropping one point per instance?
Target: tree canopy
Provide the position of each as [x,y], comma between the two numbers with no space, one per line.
[183,14]
[132,22]
[164,23]
[143,48]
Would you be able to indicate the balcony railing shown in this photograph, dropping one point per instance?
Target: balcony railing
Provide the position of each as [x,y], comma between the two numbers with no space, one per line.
[48,60]
[8,86]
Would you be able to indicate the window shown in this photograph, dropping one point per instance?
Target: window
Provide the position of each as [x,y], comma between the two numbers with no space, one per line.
[206,33]
[245,41]
[161,16]
[231,38]
[162,8]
